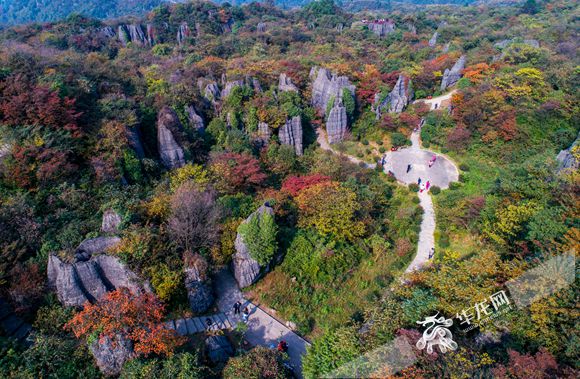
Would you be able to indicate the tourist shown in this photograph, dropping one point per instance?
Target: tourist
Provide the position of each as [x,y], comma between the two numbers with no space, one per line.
[408,168]
[419,181]
[422,187]
[237,307]
[432,253]
[282,346]
[246,314]
[427,185]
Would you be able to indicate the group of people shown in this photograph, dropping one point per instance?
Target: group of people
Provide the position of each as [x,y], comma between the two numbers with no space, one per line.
[245,312]
[423,186]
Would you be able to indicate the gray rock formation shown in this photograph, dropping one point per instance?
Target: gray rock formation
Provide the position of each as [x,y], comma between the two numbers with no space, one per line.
[291,134]
[336,123]
[261,27]
[209,89]
[397,99]
[452,76]
[264,133]
[97,245]
[229,86]
[285,84]
[168,124]
[134,139]
[218,348]
[13,326]
[381,27]
[131,33]
[412,28]
[246,269]
[433,40]
[199,292]
[150,35]
[446,48]
[566,157]
[111,221]
[111,355]
[107,32]
[123,35]
[256,85]
[326,87]
[82,281]
[195,120]
[182,33]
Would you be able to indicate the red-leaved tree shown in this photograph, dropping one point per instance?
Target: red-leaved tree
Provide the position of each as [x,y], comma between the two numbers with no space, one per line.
[236,172]
[136,317]
[294,184]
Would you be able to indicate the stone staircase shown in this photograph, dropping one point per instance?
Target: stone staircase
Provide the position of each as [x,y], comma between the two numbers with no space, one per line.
[195,325]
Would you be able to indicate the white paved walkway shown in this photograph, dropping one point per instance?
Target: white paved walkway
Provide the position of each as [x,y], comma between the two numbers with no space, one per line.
[263,329]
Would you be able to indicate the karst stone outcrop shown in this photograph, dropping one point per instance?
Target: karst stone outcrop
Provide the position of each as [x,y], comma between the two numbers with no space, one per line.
[566,158]
[291,134]
[183,33]
[218,348]
[452,76]
[327,86]
[111,353]
[506,42]
[285,84]
[96,245]
[170,151]
[397,100]
[381,27]
[81,281]
[111,221]
[199,292]
[132,33]
[433,40]
[246,269]
[107,32]
[336,123]
[261,27]
[195,120]
[264,133]
[209,89]
[150,35]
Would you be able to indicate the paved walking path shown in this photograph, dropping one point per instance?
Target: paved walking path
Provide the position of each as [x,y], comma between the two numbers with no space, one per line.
[441,174]
[263,329]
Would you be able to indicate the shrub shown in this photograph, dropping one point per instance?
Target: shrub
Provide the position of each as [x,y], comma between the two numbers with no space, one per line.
[444,240]
[464,167]
[189,172]
[382,150]
[379,142]
[435,190]
[462,178]
[259,235]
[365,142]
[398,139]
[454,185]
[260,362]
[413,187]
[416,200]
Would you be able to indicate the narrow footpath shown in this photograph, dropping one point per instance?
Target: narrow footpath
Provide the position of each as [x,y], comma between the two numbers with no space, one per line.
[263,329]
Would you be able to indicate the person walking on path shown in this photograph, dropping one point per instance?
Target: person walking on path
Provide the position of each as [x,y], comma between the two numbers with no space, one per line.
[408,168]
[422,187]
[432,253]
[246,314]
[237,307]
[427,185]
[419,181]
[432,161]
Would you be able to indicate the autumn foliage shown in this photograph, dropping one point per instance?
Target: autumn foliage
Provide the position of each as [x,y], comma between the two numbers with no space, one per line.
[294,184]
[236,172]
[136,317]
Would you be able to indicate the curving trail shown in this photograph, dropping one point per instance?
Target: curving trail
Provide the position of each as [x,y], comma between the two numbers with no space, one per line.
[440,174]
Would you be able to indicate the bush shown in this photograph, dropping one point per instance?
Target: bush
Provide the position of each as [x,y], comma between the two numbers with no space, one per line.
[360,155]
[444,241]
[454,185]
[462,178]
[398,139]
[365,142]
[464,167]
[416,200]
[379,142]
[260,362]
[435,190]
[382,150]
[259,235]
[413,187]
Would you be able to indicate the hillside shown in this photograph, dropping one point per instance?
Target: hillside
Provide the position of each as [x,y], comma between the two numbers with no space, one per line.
[222,191]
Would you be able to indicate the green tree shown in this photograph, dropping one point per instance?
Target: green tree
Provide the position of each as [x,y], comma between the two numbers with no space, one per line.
[259,234]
